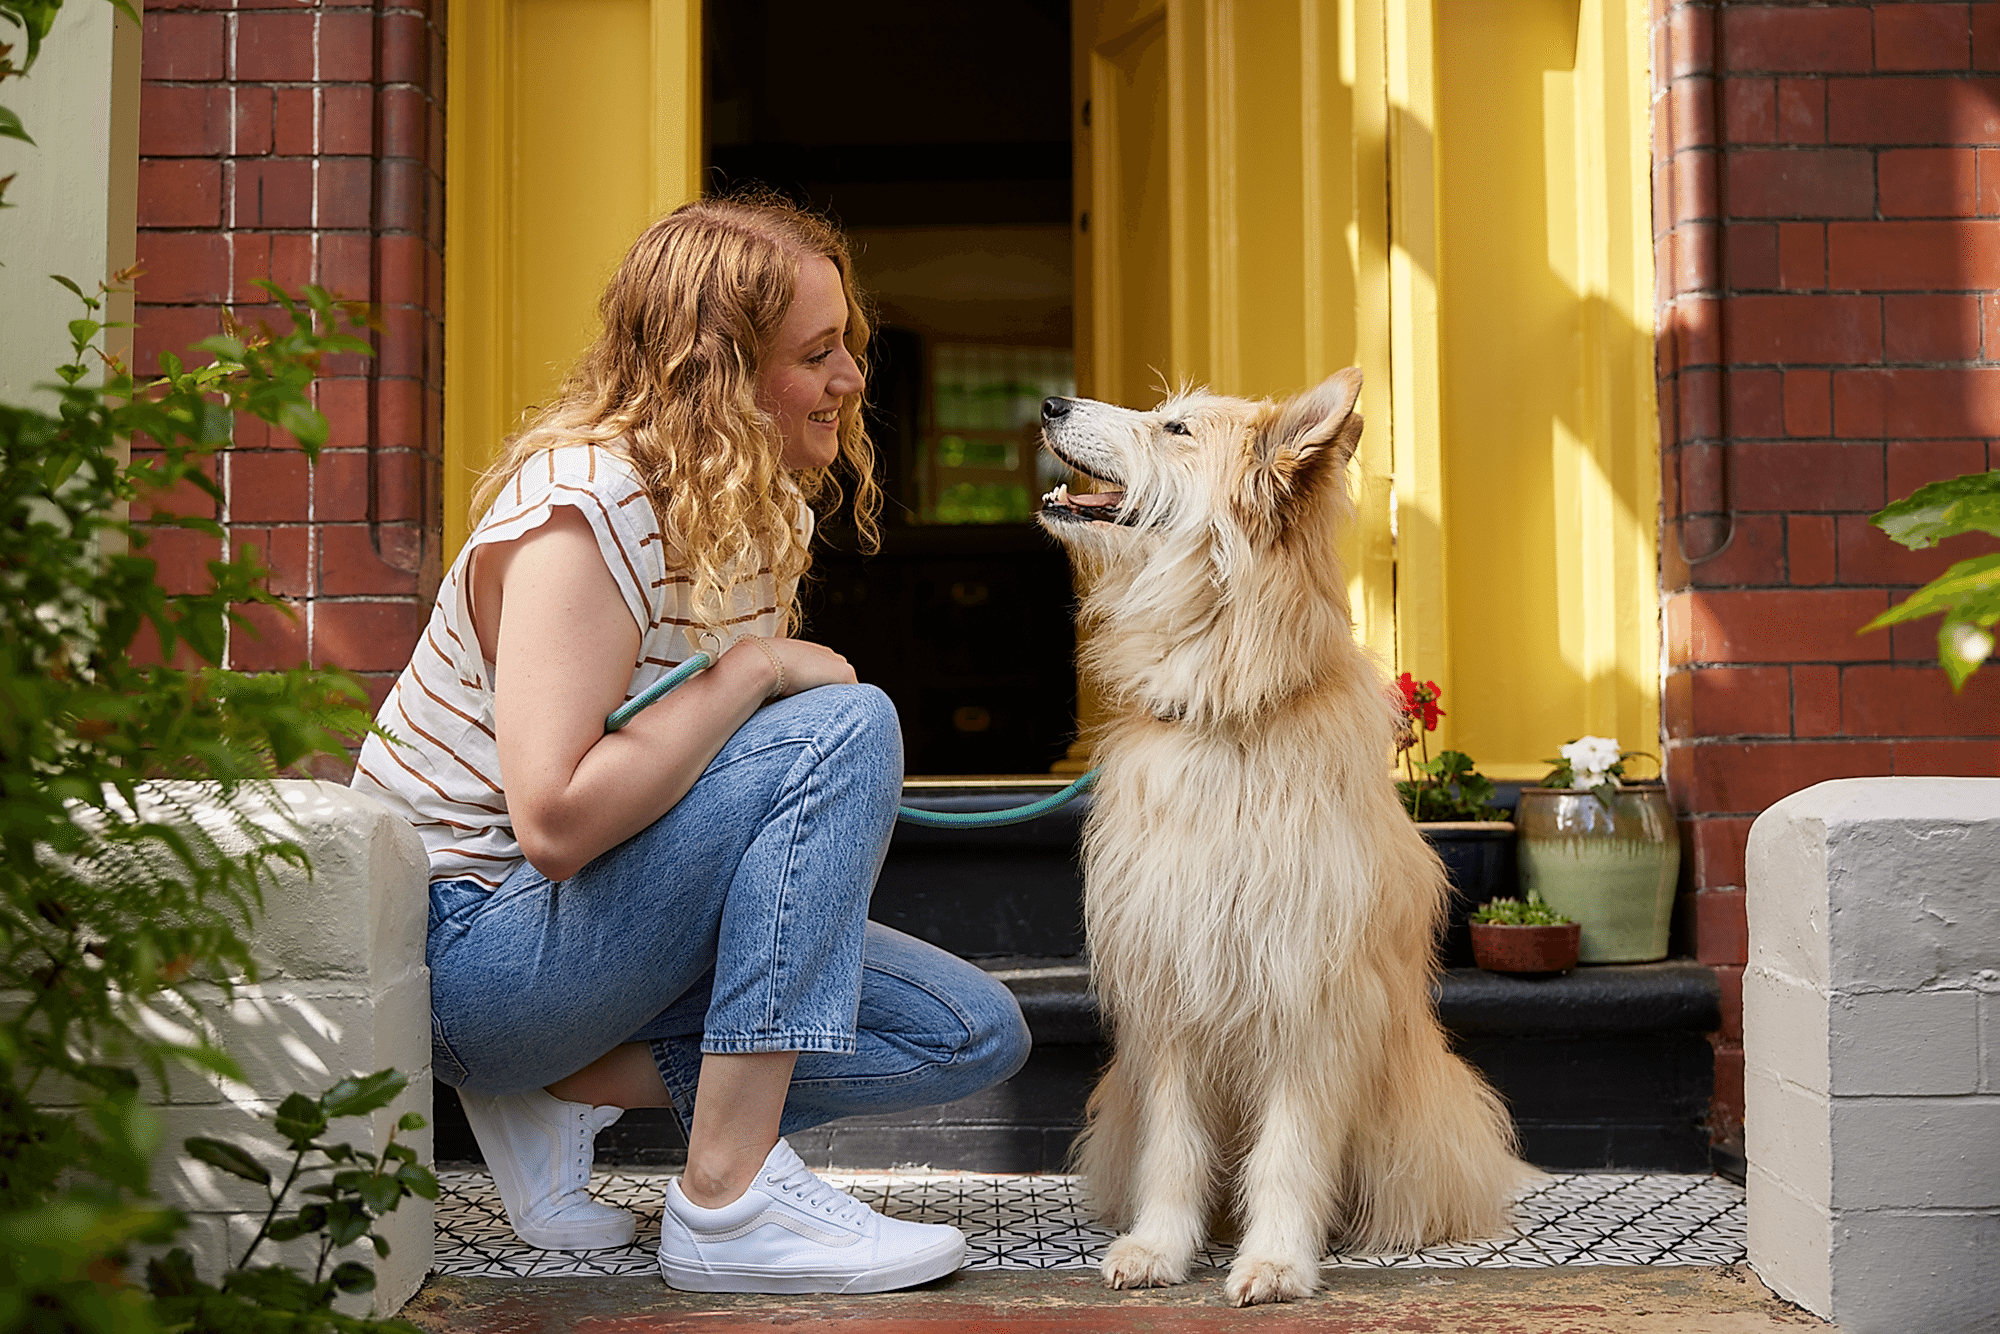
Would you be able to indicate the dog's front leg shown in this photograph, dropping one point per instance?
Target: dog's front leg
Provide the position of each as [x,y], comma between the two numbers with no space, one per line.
[1289,1181]
[1170,1188]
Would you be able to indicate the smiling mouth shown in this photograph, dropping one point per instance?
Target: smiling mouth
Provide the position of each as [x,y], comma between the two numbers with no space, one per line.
[1100,507]
[827,417]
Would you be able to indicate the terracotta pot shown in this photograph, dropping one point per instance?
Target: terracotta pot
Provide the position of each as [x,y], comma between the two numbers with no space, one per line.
[1611,869]
[1500,948]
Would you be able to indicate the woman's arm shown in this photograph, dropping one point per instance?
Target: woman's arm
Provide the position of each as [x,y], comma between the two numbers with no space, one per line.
[564,644]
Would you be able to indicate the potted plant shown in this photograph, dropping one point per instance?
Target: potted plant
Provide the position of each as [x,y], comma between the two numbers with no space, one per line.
[1602,851]
[1453,806]
[1523,936]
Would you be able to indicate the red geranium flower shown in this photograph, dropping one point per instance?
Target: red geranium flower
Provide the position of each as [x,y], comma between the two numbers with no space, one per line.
[1420,701]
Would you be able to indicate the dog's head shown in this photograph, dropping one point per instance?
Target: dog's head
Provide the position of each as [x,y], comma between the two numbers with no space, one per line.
[1237,471]
[1214,580]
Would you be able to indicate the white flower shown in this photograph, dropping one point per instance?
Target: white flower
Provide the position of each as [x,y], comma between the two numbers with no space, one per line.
[1590,759]
[1971,643]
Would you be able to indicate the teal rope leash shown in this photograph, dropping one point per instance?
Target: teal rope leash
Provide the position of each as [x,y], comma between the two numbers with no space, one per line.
[701,662]
[994,819]
[657,691]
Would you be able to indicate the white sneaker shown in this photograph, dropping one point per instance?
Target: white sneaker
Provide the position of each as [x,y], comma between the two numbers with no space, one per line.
[791,1232]
[538,1148]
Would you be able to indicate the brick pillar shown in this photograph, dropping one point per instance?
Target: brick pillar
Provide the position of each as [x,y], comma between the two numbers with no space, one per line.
[1830,340]
[305,144]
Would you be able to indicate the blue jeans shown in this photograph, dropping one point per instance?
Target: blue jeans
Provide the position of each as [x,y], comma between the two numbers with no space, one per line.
[736,922]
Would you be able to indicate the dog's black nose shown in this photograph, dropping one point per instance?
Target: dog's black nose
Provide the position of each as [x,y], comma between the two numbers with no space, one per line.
[1054,408]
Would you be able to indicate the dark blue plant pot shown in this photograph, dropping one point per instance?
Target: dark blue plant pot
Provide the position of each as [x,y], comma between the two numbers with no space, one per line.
[1480,863]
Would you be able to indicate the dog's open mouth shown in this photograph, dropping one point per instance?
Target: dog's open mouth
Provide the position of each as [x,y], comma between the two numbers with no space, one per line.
[1101,507]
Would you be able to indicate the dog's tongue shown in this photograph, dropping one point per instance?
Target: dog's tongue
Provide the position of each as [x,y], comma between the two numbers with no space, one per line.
[1103,500]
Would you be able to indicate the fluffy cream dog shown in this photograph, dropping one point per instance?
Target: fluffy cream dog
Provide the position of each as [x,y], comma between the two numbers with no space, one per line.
[1260,910]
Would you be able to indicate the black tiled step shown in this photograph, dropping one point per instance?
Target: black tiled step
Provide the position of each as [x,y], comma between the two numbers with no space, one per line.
[1607,1068]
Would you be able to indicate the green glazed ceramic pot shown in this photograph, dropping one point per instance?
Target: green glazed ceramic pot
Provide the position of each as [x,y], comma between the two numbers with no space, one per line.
[1611,870]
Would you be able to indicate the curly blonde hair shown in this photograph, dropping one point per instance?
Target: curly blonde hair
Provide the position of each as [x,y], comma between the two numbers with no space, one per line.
[671,384]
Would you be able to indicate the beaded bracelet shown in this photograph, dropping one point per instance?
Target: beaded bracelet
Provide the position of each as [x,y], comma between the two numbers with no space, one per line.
[768,652]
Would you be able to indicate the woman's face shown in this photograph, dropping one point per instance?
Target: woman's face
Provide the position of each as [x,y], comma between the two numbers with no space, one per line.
[809,370]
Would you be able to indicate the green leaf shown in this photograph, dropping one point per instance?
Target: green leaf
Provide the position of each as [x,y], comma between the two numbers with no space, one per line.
[304,422]
[346,1222]
[381,1194]
[419,1180]
[228,1158]
[286,1229]
[71,285]
[1969,589]
[10,127]
[300,1120]
[224,347]
[411,1121]
[275,1287]
[1944,509]
[358,1097]
[353,1276]
[82,331]
[1954,635]
[172,1274]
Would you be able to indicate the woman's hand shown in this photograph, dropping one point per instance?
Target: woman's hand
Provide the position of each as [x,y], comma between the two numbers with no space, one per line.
[805,664]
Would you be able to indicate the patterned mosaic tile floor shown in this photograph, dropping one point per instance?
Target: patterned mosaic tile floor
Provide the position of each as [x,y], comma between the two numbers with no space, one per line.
[1040,1222]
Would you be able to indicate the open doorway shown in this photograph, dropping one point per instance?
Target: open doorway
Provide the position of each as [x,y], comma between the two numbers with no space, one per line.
[938,137]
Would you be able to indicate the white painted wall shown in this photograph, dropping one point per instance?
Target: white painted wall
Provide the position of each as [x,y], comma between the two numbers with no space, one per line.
[75,192]
[343,990]
[1871,1039]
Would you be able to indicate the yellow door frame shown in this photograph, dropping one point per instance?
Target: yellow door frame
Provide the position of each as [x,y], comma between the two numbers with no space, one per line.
[553,166]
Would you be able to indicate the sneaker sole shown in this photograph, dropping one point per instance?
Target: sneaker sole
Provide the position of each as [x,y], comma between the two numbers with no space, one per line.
[603,1236]
[922,1267]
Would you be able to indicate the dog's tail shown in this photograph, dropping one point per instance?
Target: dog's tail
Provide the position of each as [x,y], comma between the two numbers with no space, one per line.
[1434,1158]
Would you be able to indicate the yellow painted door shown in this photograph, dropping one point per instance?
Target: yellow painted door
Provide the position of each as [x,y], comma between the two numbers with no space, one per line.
[1451,194]
[1232,219]
[571,125]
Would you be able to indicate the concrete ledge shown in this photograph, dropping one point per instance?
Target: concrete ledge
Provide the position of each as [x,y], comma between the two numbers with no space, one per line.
[344,991]
[1872,1103]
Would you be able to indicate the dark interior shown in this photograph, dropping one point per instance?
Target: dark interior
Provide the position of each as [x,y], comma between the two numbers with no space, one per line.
[938,137]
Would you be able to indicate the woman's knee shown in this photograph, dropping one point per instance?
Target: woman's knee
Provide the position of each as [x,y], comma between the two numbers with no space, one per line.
[998,1040]
[860,718]
[858,737]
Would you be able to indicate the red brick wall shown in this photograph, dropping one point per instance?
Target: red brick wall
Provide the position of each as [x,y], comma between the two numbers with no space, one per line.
[1827,233]
[305,143]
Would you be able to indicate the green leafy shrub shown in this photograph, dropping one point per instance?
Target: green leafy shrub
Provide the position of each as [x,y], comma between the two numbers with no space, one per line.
[118,908]
[1967,595]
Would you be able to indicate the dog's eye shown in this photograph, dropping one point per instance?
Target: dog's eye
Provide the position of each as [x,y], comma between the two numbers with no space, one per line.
[1174,428]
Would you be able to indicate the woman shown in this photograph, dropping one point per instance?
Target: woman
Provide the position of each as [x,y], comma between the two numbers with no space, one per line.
[674,914]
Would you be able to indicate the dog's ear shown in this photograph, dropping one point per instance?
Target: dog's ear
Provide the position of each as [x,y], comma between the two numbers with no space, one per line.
[1309,436]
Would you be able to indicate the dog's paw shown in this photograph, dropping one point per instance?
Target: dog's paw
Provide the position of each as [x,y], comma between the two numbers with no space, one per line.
[1254,1281]
[1131,1263]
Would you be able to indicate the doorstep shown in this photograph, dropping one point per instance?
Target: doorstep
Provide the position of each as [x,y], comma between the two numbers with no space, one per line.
[1606,1068]
[1591,1254]
[1569,1300]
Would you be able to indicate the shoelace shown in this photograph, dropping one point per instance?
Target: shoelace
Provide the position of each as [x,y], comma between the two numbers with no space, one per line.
[816,1194]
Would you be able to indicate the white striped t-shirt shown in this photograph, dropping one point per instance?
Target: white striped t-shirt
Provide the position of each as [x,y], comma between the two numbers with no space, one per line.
[444,777]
